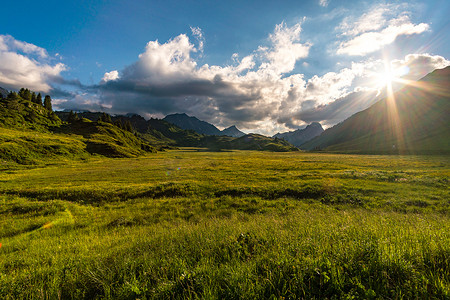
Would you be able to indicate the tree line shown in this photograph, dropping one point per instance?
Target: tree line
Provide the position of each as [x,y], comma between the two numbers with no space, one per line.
[29,95]
[26,94]
[106,118]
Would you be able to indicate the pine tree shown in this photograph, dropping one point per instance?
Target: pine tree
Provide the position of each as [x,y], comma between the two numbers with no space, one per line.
[73,117]
[21,92]
[25,94]
[38,99]
[48,103]
[13,96]
[33,97]
[105,118]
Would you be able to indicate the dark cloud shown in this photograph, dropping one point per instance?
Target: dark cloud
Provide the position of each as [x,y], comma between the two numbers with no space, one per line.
[59,80]
[339,109]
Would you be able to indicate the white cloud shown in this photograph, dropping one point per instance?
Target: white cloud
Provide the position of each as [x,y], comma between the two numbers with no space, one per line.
[198,34]
[286,49]
[22,69]
[113,75]
[419,65]
[7,42]
[323,3]
[160,62]
[373,30]
[330,86]
[373,20]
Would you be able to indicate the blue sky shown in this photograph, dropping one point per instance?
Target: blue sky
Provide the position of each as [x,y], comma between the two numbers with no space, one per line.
[266,66]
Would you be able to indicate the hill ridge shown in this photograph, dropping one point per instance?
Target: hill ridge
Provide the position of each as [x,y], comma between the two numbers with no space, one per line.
[414,122]
[300,136]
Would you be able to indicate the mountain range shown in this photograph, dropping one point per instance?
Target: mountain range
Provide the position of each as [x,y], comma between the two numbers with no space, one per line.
[184,121]
[414,120]
[300,136]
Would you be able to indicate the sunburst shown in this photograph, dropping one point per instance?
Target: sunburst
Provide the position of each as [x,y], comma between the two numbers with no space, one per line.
[390,75]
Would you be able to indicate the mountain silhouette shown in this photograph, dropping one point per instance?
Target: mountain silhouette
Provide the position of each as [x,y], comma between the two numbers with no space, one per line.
[414,120]
[186,122]
[300,136]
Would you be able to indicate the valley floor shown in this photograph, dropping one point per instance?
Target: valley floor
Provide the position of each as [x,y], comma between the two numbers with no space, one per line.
[238,224]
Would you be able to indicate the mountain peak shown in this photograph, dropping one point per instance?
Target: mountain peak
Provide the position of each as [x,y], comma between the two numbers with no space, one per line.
[232,131]
[301,136]
[186,122]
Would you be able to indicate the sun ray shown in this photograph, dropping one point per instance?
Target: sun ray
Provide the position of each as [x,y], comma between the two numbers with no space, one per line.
[395,124]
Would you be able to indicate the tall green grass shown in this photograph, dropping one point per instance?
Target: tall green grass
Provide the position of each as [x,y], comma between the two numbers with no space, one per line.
[238,225]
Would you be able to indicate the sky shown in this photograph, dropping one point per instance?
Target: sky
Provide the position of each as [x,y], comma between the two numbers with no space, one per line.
[264,66]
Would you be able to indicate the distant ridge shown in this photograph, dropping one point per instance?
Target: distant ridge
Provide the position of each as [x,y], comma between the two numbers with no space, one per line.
[416,122]
[162,134]
[4,93]
[232,131]
[186,122]
[301,136]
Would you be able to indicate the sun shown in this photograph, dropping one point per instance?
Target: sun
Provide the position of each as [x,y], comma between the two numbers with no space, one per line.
[386,78]
[390,75]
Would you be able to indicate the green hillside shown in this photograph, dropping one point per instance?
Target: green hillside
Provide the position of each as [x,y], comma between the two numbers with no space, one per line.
[19,113]
[33,134]
[414,122]
[107,139]
[248,142]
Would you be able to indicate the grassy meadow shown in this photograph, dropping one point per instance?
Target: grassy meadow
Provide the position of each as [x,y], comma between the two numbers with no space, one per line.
[237,225]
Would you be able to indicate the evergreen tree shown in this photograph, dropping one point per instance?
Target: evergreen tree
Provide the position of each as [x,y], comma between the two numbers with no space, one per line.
[33,97]
[48,103]
[25,94]
[105,118]
[13,96]
[38,99]
[21,91]
[73,117]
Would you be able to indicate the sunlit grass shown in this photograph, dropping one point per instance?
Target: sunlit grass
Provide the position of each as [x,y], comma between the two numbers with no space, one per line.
[189,224]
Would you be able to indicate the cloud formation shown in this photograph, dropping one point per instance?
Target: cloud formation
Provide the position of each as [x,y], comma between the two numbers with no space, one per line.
[263,91]
[340,109]
[419,65]
[166,78]
[198,34]
[374,30]
[26,65]
[323,3]
[258,92]
[113,75]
